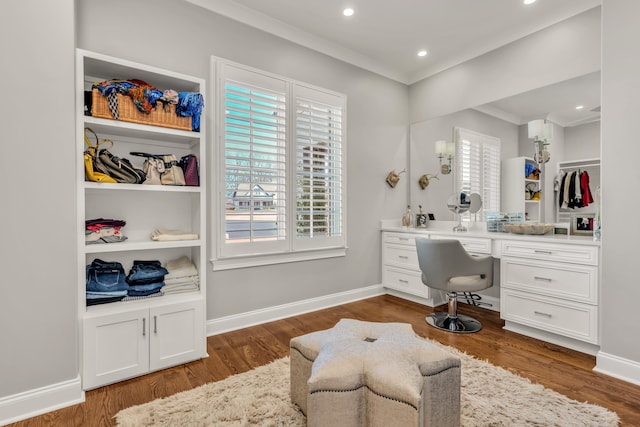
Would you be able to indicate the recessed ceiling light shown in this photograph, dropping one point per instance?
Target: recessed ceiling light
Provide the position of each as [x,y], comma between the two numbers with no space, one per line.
[579,107]
[422,53]
[347,12]
[529,1]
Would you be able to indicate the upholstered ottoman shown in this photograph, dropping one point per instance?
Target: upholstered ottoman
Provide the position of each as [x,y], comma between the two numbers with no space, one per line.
[373,374]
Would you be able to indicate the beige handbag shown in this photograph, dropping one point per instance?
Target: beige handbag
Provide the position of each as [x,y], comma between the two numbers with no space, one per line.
[153,167]
[173,174]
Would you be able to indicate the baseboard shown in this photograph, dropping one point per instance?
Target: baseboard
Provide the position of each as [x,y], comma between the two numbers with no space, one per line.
[269,314]
[567,342]
[618,367]
[40,401]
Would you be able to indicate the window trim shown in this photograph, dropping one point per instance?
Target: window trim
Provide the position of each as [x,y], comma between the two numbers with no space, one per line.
[291,252]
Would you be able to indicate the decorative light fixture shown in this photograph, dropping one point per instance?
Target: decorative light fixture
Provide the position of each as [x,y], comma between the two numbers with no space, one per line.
[541,131]
[445,151]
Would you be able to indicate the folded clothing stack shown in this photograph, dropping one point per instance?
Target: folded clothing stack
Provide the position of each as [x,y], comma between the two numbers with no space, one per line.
[183,276]
[165,235]
[145,278]
[106,282]
[102,230]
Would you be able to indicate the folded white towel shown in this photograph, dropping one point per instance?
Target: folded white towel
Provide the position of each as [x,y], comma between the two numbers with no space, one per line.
[164,235]
[180,268]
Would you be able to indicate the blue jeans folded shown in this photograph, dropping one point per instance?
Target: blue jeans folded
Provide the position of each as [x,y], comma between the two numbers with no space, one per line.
[96,295]
[146,272]
[104,276]
[144,288]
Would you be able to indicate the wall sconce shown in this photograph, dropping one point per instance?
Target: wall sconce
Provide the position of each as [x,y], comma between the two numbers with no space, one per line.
[393,177]
[445,151]
[424,180]
[540,131]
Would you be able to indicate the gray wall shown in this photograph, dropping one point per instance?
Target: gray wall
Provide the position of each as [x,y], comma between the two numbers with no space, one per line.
[620,326]
[38,298]
[377,114]
[582,142]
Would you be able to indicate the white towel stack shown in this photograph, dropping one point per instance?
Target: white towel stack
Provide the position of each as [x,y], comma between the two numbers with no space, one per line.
[183,276]
[165,235]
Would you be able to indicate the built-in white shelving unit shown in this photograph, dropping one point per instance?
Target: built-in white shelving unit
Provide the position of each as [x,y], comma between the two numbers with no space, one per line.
[515,186]
[123,339]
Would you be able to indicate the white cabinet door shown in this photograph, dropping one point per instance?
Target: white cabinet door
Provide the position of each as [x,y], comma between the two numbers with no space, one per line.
[116,346]
[176,332]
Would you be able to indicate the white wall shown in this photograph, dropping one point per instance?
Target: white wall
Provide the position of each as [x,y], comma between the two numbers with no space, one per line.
[377,114]
[423,158]
[620,325]
[560,52]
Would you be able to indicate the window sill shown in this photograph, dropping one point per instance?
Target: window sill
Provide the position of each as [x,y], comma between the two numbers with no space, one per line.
[271,259]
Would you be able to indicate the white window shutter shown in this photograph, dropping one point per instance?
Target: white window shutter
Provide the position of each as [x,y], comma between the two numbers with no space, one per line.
[478,168]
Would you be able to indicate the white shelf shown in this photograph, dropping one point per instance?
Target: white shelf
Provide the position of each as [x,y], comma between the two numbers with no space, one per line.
[135,130]
[513,187]
[160,331]
[124,306]
[127,245]
[105,186]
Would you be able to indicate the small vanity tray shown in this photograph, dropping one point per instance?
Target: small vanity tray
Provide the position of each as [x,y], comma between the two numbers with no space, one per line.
[524,228]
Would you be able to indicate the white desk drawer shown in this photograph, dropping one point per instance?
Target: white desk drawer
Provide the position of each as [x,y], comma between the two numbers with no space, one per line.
[574,320]
[473,245]
[575,282]
[401,256]
[405,281]
[399,238]
[551,251]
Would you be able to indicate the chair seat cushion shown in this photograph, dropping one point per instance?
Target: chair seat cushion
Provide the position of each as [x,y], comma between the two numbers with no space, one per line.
[468,283]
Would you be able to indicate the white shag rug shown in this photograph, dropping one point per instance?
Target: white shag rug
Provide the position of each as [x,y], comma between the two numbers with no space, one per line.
[491,396]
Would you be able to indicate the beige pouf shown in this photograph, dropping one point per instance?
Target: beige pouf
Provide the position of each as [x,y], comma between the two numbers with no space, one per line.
[374,374]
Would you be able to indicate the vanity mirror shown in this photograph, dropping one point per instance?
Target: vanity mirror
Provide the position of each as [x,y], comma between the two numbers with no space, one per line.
[576,136]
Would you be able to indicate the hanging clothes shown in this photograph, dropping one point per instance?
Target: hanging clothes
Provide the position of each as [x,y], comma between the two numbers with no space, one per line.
[587,197]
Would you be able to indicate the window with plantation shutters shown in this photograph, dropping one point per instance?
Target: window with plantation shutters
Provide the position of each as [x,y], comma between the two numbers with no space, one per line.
[318,167]
[281,169]
[478,168]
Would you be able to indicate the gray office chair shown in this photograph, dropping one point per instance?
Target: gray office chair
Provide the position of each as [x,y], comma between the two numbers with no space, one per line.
[447,266]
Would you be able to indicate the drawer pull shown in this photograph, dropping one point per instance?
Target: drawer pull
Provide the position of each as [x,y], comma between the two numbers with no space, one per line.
[403,257]
[406,282]
[538,251]
[404,239]
[539,313]
[542,279]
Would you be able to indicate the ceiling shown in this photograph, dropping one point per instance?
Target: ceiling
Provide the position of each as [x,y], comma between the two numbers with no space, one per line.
[556,102]
[384,36]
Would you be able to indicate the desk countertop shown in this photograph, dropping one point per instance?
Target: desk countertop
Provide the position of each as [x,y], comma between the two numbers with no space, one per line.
[479,230]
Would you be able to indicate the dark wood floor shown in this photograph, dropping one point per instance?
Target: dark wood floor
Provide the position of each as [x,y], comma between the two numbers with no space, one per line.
[563,370]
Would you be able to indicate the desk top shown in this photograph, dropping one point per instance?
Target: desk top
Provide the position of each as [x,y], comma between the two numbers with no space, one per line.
[479,230]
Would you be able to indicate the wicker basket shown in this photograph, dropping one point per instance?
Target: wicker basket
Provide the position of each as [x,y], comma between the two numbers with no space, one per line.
[128,112]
